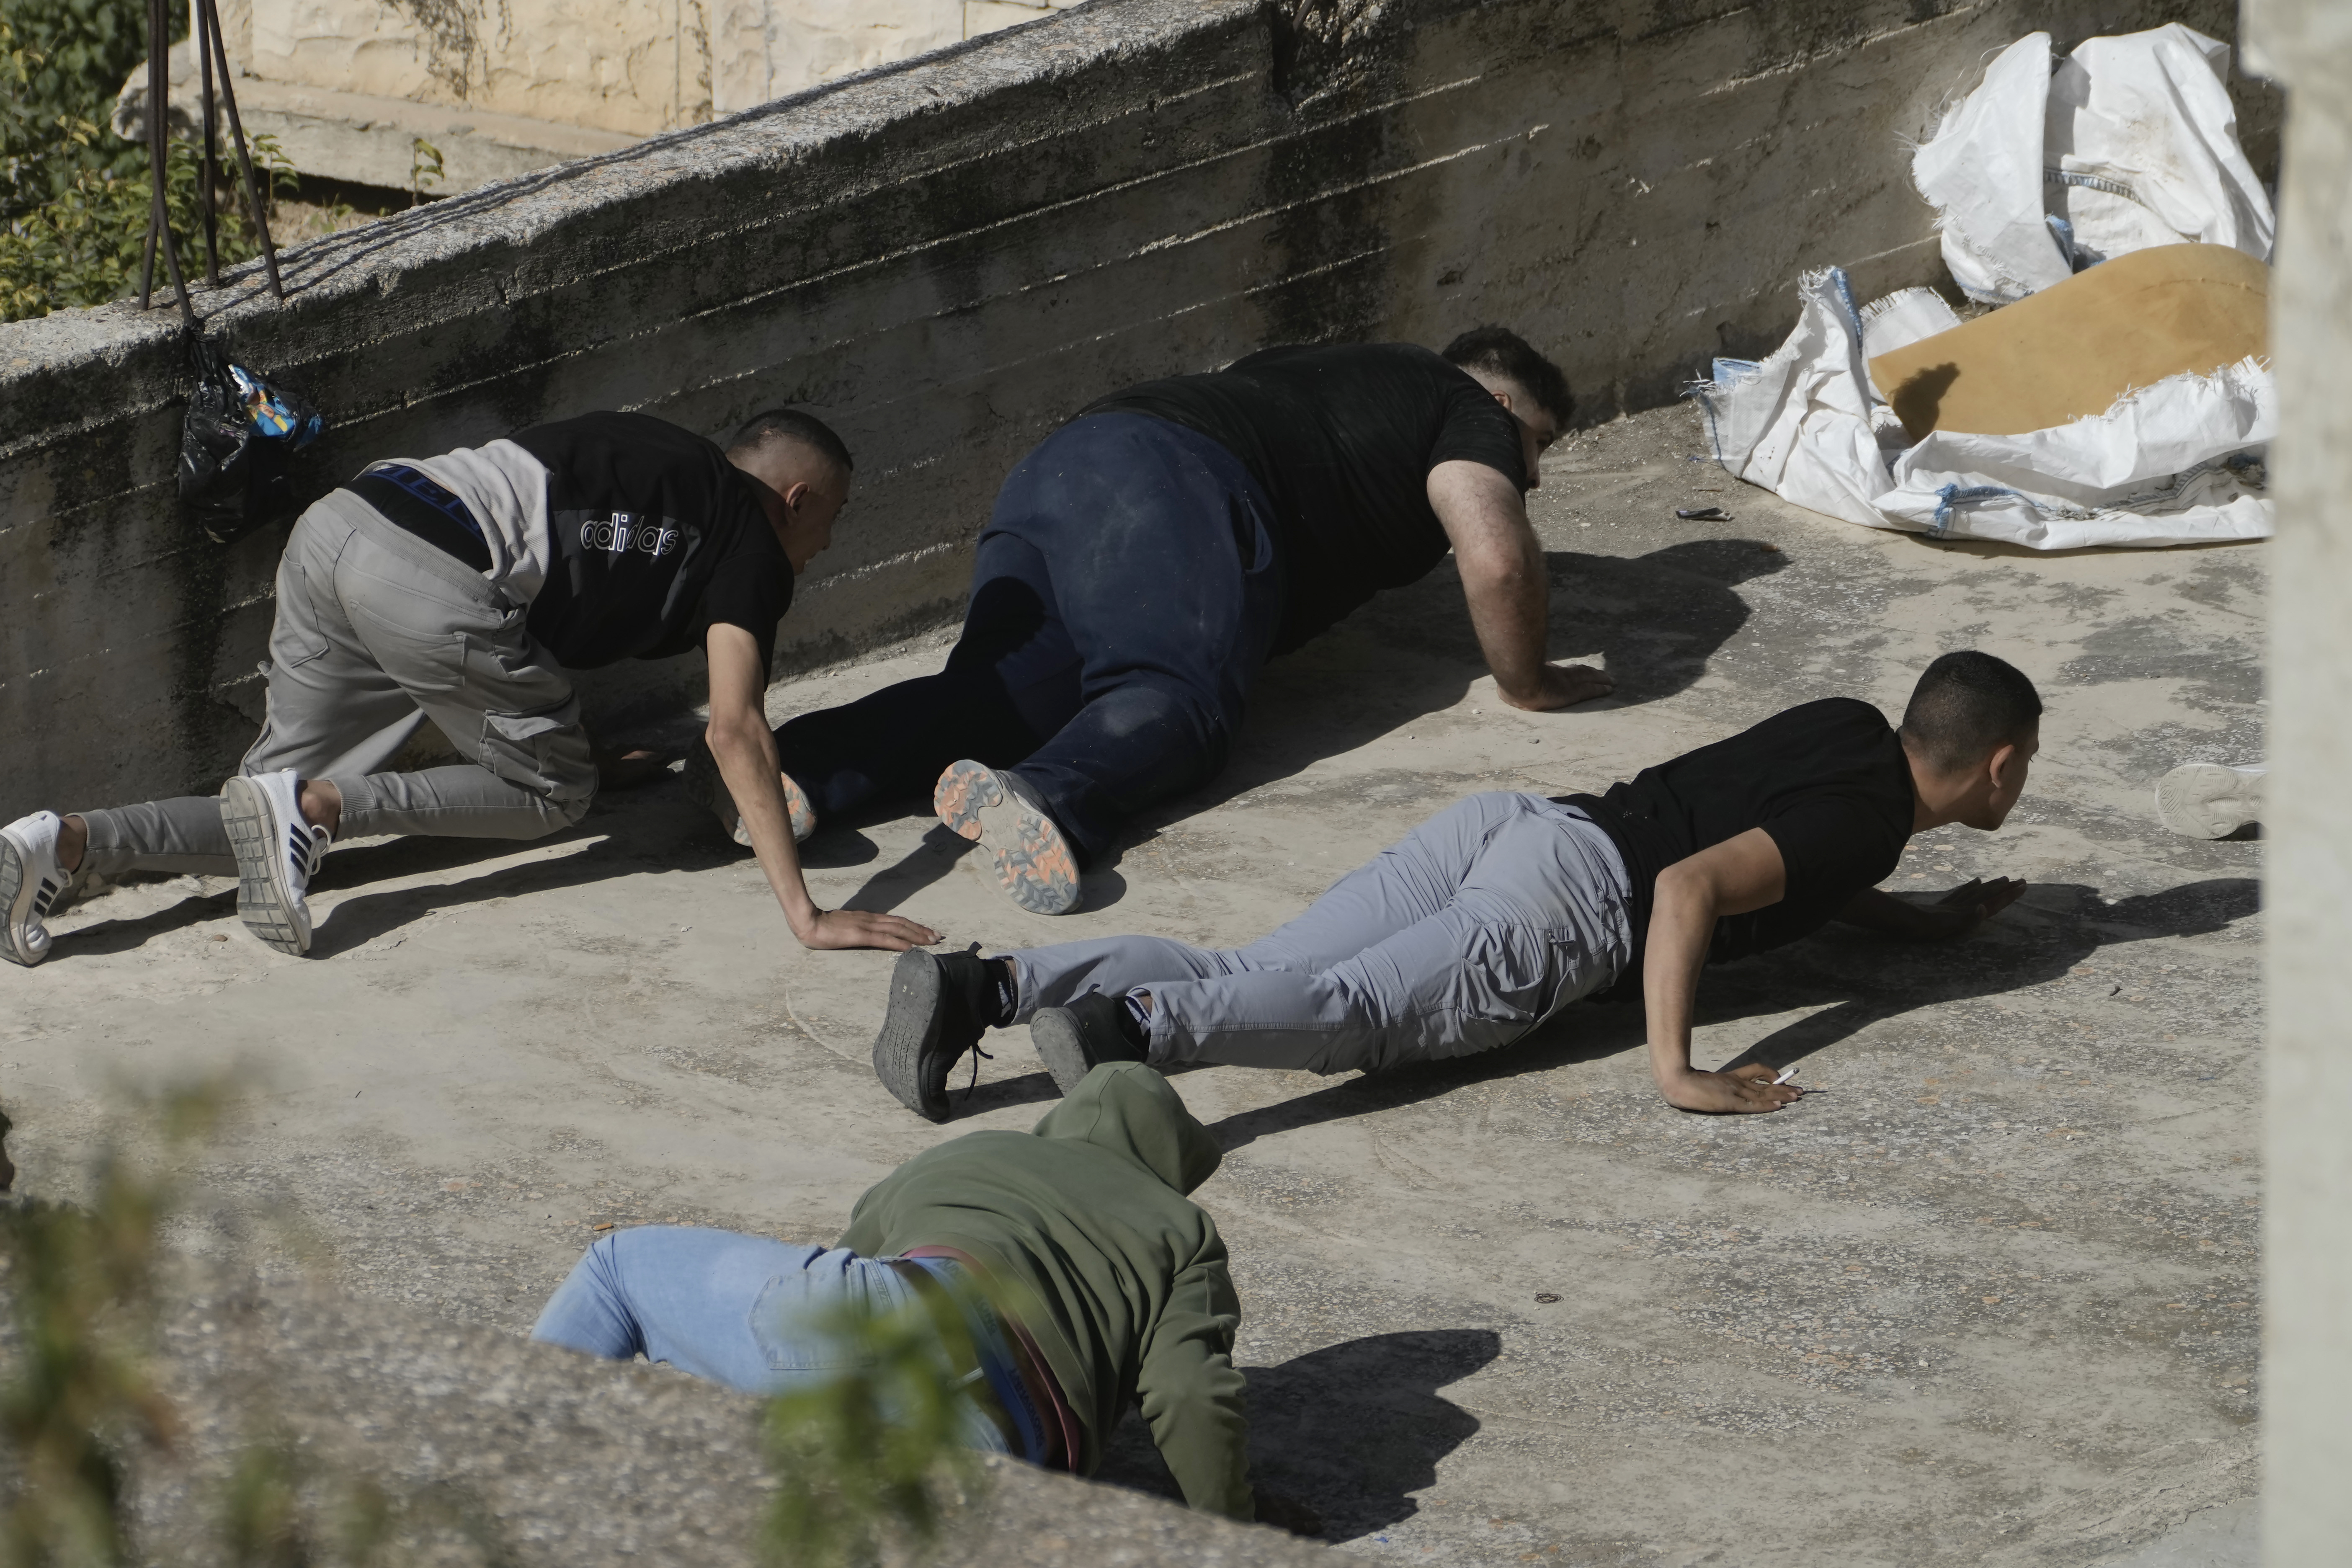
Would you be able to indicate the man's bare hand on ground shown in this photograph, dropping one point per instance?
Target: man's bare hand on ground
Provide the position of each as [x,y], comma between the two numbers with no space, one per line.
[1561,686]
[1745,1088]
[1965,908]
[834,929]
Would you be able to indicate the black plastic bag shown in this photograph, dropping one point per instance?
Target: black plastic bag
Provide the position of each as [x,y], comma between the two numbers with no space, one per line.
[235,446]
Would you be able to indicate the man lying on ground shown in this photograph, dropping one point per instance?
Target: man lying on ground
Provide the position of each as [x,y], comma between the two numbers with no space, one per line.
[460,588]
[1144,563]
[1065,1268]
[1497,912]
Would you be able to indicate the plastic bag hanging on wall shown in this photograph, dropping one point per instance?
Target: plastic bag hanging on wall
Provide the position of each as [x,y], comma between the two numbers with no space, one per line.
[235,445]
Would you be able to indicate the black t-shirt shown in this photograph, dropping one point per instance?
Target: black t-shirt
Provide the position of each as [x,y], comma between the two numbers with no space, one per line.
[656,536]
[1341,437]
[1828,781]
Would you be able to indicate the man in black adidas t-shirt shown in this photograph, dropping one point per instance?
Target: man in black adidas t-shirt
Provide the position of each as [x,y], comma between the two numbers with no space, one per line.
[1143,565]
[460,588]
[1497,914]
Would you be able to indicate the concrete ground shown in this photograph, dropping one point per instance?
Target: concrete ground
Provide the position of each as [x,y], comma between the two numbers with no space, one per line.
[1990,1299]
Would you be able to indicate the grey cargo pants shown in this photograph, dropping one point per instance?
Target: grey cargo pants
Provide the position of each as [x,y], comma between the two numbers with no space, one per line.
[1478,926]
[376,632]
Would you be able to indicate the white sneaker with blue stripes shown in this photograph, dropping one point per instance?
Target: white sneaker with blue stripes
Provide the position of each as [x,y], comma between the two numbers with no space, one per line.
[277,852]
[31,883]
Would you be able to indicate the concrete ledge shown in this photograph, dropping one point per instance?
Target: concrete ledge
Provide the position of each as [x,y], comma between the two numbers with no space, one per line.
[947,258]
[546,1457]
[370,141]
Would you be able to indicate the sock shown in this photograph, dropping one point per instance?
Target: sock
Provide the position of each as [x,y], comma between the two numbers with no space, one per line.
[1003,998]
[1135,1020]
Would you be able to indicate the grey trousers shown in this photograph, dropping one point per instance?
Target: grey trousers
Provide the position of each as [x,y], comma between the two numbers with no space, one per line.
[376,632]
[1478,926]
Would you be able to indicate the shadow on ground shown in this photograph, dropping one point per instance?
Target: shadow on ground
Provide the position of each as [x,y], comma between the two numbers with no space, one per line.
[1351,1431]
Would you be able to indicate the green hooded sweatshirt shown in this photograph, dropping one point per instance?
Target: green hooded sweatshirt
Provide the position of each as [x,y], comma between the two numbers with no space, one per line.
[1092,1246]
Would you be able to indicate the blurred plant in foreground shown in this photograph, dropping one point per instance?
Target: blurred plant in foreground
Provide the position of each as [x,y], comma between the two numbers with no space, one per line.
[870,1454]
[81,1285]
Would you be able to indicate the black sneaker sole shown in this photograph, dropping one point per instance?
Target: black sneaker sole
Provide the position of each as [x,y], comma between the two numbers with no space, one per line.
[253,837]
[911,1027]
[1061,1047]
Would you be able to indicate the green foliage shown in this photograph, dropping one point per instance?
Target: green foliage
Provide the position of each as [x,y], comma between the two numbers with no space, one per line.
[80,1280]
[870,1453]
[85,247]
[75,196]
[61,63]
[424,168]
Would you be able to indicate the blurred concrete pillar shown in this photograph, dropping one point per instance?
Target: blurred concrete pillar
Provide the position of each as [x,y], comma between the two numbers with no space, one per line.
[2307,1359]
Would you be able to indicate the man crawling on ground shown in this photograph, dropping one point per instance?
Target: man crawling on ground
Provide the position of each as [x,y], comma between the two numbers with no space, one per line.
[465,588]
[1064,1271]
[1494,915]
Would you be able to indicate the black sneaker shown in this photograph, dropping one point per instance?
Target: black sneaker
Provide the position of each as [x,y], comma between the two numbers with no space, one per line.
[1073,1041]
[939,1005]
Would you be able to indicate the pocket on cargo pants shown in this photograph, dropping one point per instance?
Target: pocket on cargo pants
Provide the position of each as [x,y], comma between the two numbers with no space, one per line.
[530,732]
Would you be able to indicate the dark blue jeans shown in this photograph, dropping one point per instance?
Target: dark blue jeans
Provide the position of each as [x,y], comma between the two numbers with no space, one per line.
[1123,599]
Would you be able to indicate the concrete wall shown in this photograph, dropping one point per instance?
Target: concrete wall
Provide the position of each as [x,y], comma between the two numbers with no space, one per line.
[949,257]
[2307,1163]
[631,66]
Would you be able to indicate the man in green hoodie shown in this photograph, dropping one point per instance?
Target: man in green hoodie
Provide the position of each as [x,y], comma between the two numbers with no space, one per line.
[1068,1273]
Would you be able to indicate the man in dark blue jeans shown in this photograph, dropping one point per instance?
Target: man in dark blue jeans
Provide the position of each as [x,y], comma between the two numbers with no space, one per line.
[1145,560]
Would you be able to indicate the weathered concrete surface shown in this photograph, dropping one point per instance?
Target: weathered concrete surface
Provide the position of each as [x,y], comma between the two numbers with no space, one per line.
[1988,1300]
[950,257]
[2308,1160]
[347,87]
[503,1454]
[2229,1536]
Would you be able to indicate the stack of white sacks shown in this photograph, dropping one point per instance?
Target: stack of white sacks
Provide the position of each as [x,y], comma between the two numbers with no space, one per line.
[2130,142]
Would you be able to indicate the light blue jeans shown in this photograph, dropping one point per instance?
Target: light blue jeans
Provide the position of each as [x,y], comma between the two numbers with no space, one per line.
[1475,927]
[752,1313]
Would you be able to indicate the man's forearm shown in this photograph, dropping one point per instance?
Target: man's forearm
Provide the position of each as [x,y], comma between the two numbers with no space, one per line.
[746,754]
[1509,596]
[1681,922]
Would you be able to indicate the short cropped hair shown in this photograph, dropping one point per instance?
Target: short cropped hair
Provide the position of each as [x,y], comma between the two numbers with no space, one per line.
[1498,351]
[1967,705]
[791,425]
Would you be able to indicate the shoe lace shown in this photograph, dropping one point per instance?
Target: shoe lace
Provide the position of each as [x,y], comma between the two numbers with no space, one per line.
[976,1053]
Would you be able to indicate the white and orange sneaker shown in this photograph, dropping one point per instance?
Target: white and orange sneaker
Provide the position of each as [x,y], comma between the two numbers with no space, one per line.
[708,790]
[31,882]
[1004,816]
[278,853]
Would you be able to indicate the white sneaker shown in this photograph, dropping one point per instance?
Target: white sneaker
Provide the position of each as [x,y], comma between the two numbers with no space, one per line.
[2207,800]
[31,881]
[277,852]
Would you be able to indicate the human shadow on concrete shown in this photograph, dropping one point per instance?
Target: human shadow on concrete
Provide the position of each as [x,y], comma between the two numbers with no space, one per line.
[616,843]
[1866,978]
[1351,1431]
[1853,978]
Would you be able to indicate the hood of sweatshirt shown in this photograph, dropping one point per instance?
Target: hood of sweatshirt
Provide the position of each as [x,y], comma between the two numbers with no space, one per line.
[1129,1111]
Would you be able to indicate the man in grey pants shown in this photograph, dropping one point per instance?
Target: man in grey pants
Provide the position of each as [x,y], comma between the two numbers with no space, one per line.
[460,588]
[1497,914]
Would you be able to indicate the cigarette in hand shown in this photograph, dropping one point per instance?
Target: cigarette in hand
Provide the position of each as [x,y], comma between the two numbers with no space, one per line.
[1785,1076]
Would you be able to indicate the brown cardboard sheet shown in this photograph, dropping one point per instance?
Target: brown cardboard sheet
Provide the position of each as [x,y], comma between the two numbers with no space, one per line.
[2075,347]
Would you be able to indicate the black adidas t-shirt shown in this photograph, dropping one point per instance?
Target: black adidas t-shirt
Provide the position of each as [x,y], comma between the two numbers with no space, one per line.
[1342,439]
[657,537]
[1828,780]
